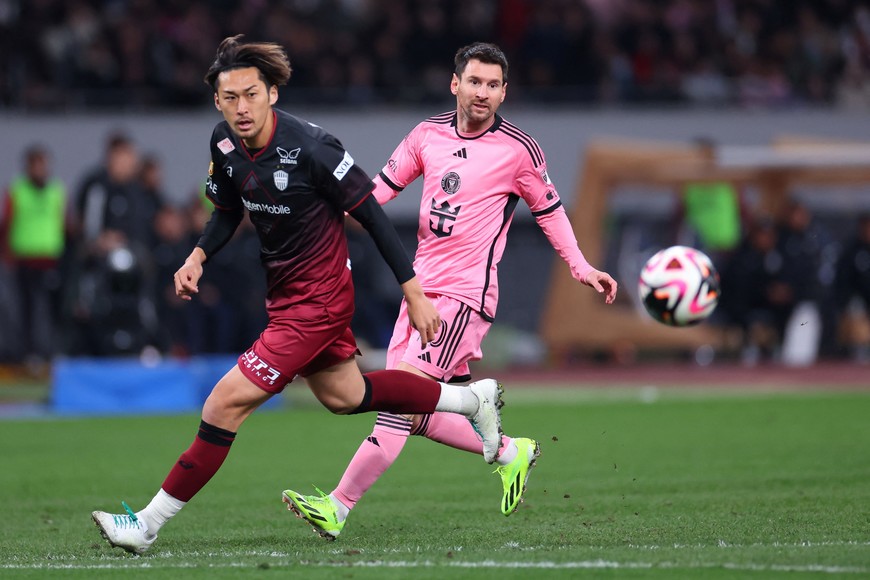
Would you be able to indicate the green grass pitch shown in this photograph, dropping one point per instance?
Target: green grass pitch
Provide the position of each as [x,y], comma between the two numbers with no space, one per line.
[631,484]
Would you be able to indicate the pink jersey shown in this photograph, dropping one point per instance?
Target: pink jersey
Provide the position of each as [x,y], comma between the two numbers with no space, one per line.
[470,191]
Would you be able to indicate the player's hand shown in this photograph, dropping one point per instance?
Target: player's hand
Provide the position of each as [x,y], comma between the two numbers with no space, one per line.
[187,277]
[603,283]
[424,319]
[423,316]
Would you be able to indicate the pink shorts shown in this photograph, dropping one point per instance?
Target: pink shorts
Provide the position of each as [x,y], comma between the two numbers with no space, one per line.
[297,345]
[447,357]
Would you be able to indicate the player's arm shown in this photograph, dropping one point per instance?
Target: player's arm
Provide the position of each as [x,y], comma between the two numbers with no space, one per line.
[218,231]
[384,190]
[559,232]
[543,199]
[228,213]
[424,318]
[403,167]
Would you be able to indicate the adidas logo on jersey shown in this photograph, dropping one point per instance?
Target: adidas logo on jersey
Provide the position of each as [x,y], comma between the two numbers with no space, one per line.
[461,153]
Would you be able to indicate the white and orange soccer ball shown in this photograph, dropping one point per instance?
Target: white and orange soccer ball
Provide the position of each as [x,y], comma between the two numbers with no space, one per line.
[679,286]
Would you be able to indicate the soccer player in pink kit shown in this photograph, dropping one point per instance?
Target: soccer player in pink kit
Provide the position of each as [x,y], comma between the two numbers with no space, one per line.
[476,167]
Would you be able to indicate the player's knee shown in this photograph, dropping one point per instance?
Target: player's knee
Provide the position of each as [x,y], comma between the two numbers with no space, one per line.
[415,420]
[339,405]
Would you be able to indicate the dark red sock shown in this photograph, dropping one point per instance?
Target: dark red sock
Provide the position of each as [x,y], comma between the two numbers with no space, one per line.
[399,392]
[199,463]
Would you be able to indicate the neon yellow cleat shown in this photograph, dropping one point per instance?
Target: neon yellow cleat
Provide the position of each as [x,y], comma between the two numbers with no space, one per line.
[515,474]
[320,512]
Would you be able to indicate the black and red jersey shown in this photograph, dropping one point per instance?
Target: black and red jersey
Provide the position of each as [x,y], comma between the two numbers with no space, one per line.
[296,190]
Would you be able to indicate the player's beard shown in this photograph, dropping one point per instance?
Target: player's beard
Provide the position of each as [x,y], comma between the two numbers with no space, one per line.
[475,116]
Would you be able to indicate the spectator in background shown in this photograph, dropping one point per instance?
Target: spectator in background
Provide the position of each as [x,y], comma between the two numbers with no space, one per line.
[800,243]
[755,295]
[174,233]
[33,234]
[141,54]
[153,197]
[113,309]
[711,214]
[111,200]
[853,289]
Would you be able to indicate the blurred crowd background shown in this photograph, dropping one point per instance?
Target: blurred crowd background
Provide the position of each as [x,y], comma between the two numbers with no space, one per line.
[142,54]
[89,272]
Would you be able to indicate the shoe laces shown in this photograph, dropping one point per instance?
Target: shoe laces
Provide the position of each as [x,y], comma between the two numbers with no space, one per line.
[320,491]
[128,520]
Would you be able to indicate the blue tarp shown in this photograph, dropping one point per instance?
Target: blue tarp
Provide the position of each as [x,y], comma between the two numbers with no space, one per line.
[107,386]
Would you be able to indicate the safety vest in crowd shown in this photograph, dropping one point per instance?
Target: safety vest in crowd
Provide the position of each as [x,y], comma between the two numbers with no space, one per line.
[36,229]
[713,209]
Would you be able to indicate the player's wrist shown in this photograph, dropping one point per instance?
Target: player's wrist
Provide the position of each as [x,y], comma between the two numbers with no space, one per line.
[413,291]
[197,257]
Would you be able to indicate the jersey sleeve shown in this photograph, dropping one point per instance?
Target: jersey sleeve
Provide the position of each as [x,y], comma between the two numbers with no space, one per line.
[534,185]
[405,164]
[219,188]
[336,176]
[540,194]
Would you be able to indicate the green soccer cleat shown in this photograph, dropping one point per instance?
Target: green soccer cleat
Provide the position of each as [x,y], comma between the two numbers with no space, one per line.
[515,474]
[320,512]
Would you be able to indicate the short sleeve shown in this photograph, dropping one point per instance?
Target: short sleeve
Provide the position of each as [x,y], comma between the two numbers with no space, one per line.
[336,175]
[404,165]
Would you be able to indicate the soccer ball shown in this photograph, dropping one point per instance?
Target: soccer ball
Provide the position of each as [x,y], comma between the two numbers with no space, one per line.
[679,286]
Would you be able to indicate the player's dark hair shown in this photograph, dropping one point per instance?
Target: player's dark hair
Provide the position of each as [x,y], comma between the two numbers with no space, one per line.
[485,52]
[267,57]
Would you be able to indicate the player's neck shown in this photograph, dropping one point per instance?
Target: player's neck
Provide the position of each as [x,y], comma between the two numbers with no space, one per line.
[467,128]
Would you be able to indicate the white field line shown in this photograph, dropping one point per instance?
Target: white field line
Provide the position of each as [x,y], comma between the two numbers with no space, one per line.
[283,559]
[485,564]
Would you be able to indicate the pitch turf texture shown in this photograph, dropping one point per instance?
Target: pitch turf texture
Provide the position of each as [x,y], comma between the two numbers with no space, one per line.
[631,484]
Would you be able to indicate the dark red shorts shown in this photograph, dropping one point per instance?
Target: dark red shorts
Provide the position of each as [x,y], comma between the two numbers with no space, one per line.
[301,341]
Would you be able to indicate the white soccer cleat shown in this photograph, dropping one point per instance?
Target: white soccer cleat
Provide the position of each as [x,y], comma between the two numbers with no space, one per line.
[487,420]
[124,531]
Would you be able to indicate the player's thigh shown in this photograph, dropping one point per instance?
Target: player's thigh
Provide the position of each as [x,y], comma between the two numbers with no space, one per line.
[232,400]
[340,387]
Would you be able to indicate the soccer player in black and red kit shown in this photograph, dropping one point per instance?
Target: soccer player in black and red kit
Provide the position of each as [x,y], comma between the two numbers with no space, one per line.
[296,182]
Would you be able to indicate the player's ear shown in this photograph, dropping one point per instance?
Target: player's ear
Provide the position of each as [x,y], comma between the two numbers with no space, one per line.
[503,92]
[273,95]
[454,84]
[217,103]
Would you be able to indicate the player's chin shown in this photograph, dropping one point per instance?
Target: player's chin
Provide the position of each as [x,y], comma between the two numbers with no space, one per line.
[246,131]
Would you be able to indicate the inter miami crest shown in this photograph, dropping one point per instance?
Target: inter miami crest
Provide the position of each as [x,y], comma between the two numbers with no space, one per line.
[451,182]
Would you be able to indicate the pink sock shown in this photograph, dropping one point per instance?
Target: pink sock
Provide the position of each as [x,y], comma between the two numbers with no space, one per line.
[453,430]
[374,456]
